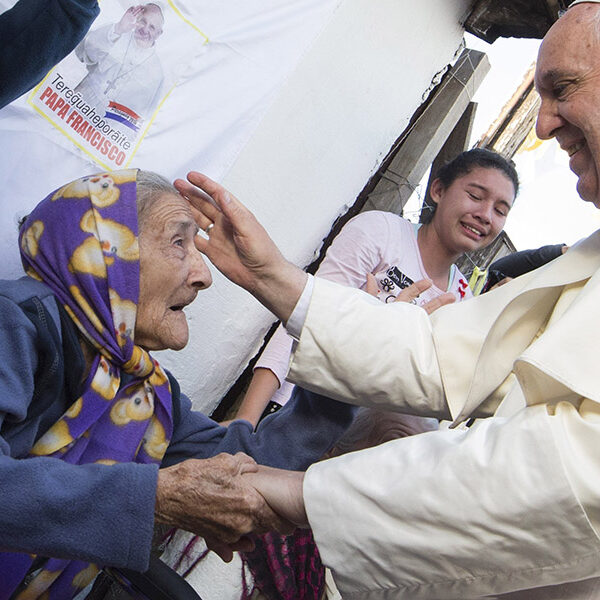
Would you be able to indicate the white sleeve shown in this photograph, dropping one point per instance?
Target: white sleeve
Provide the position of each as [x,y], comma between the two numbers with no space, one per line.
[457,513]
[355,251]
[342,353]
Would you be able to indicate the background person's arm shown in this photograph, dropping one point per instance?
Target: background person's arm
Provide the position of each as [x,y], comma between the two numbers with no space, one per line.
[36,35]
[292,438]
[263,385]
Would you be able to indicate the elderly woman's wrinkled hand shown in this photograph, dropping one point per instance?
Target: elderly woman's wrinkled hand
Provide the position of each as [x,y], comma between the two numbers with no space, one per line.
[238,245]
[211,498]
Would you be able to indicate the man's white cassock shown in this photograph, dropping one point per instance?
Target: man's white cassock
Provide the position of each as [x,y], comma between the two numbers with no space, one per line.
[509,504]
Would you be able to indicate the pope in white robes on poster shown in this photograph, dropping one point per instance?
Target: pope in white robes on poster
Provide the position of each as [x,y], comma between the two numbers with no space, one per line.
[122,63]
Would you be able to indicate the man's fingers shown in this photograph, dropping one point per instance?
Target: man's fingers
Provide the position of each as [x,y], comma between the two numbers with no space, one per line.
[197,198]
[210,189]
[225,551]
[447,298]
[201,219]
[226,202]
[413,291]
[269,520]
[244,544]
[206,184]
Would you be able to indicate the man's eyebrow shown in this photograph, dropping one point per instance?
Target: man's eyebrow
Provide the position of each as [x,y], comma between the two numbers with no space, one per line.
[550,75]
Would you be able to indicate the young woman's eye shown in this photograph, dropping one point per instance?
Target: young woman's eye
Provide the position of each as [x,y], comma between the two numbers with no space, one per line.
[473,196]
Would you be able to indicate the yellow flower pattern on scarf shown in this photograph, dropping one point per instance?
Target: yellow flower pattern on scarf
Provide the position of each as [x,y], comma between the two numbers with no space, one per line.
[55,439]
[100,188]
[139,406]
[105,383]
[31,238]
[155,441]
[124,312]
[108,240]
[82,242]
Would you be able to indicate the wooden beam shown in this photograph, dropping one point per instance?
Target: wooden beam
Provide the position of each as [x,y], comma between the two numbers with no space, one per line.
[457,142]
[420,145]
[517,117]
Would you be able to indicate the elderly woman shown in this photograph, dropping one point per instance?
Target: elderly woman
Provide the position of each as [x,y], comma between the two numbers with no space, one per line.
[111,262]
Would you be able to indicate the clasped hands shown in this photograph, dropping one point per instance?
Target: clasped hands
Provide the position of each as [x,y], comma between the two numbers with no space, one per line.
[227,497]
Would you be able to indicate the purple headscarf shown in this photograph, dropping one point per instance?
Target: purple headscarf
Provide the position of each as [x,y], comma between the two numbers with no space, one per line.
[82,242]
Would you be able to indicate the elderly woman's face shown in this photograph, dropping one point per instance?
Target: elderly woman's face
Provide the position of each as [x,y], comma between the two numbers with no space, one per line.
[172,272]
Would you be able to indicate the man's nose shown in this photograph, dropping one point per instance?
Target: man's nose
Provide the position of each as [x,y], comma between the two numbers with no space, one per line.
[199,276]
[548,120]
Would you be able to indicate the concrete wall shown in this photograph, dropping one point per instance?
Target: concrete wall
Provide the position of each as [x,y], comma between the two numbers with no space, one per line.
[325,135]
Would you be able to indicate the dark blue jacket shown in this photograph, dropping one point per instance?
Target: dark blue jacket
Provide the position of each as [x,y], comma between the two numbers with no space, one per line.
[104,514]
[35,35]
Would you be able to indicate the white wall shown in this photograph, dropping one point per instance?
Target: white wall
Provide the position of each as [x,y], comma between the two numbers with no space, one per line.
[324,136]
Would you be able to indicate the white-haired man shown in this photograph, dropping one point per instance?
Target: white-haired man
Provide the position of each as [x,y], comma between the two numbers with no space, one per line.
[510,506]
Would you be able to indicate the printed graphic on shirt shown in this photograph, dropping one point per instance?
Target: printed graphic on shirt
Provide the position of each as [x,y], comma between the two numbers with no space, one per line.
[391,282]
[105,95]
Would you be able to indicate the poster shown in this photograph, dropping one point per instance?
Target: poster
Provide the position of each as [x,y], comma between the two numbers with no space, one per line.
[221,67]
[104,96]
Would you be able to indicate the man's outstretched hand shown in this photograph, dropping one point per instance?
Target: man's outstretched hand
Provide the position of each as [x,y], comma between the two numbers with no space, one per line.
[238,245]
